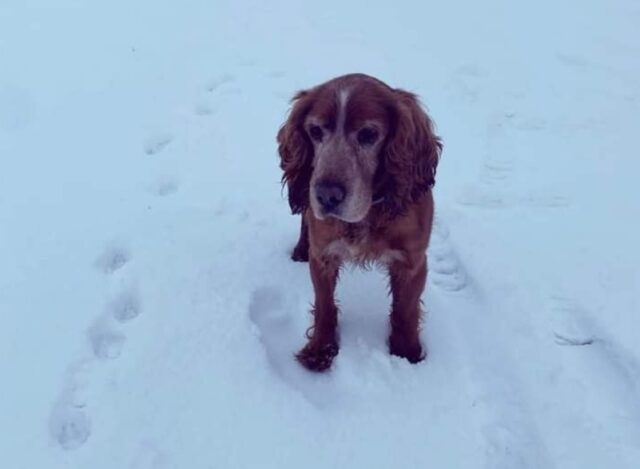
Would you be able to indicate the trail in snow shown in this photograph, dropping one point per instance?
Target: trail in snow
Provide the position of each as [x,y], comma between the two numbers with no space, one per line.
[500,408]
[70,422]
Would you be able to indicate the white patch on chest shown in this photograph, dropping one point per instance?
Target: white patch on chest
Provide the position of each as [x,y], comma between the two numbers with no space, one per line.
[343,250]
[358,253]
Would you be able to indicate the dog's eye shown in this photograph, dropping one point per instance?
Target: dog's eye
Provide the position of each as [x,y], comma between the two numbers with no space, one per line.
[367,136]
[315,132]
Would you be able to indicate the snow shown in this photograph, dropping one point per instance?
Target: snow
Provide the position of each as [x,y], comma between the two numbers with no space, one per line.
[149,310]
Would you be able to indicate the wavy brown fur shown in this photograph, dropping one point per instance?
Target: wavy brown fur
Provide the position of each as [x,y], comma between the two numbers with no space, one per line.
[411,156]
[395,231]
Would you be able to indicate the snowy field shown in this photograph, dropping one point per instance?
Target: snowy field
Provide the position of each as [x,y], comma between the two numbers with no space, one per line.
[149,311]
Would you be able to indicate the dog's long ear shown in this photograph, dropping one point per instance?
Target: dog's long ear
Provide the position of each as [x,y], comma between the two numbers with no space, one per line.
[296,153]
[411,156]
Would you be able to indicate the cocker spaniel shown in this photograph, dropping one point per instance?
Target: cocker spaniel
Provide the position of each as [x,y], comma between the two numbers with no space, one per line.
[359,161]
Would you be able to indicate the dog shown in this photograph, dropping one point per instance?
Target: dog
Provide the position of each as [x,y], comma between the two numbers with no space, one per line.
[359,162]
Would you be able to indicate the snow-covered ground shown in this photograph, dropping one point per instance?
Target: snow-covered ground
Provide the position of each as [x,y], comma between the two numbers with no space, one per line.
[149,310]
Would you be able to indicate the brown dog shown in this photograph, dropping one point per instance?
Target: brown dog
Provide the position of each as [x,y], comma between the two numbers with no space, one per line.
[359,161]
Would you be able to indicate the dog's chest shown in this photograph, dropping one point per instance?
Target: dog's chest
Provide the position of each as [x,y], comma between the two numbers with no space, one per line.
[360,245]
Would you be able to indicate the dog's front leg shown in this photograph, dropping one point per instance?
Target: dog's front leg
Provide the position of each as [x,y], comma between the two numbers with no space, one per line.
[407,283]
[301,251]
[322,347]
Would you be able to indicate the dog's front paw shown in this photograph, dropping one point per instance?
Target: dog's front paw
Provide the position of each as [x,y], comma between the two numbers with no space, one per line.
[318,357]
[400,347]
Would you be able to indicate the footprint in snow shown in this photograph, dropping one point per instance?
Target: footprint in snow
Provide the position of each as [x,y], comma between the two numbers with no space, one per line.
[217,82]
[464,83]
[125,306]
[445,267]
[155,144]
[270,311]
[105,339]
[164,186]
[218,86]
[496,170]
[106,342]
[610,370]
[571,323]
[113,258]
[69,426]
[267,312]
[447,273]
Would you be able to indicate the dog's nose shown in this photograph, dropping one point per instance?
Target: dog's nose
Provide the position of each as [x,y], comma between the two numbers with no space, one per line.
[329,194]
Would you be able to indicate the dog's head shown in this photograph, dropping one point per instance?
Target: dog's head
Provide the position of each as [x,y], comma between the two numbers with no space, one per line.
[353,142]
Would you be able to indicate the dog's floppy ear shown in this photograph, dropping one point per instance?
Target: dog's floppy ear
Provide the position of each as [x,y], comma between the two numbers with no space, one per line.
[296,153]
[411,155]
